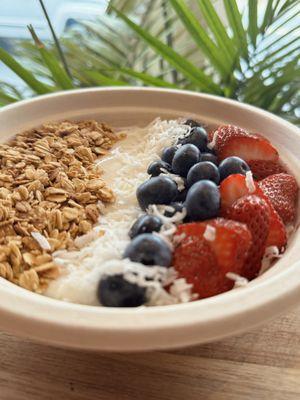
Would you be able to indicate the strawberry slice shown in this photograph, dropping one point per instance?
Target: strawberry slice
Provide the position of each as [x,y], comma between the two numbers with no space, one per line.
[205,263]
[229,140]
[255,213]
[282,191]
[234,187]
[263,168]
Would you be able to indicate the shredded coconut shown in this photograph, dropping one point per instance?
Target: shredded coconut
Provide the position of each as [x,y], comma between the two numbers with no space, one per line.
[176,178]
[41,240]
[212,144]
[271,252]
[125,169]
[239,281]
[210,233]
[250,182]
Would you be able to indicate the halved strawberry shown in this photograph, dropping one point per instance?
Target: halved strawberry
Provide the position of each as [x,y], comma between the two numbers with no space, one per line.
[263,168]
[234,187]
[282,191]
[205,263]
[234,141]
[255,213]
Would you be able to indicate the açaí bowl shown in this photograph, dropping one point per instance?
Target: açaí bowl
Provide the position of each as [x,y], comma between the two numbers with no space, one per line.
[51,321]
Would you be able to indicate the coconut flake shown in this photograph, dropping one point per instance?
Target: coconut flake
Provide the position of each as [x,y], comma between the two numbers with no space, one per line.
[212,144]
[239,281]
[250,182]
[176,178]
[41,240]
[271,252]
[182,290]
[210,233]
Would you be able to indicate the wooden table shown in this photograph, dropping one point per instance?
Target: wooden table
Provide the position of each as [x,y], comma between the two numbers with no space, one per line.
[263,364]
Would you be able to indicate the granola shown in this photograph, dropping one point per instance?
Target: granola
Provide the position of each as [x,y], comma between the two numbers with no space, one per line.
[51,192]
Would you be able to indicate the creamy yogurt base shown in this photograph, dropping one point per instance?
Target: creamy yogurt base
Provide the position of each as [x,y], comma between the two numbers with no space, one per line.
[101,250]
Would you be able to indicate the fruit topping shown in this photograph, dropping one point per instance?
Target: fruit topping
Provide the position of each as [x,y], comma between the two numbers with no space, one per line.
[168,154]
[172,209]
[203,201]
[192,123]
[203,170]
[158,190]
[116,291]
[281,190]
[185,157]
[229,140]
[255,213]
[205,263]
[236,186]
[209,157]
[232,165]
[149,249]
[263,168]
[158,167]
[145,224]
[197,136]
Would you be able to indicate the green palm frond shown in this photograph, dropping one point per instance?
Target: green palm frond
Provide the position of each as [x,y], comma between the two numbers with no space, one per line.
[249,54]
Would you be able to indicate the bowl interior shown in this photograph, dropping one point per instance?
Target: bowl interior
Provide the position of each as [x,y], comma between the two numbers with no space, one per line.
[99,328]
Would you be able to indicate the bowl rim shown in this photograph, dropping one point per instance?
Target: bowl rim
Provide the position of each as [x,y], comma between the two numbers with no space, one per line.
[63,319]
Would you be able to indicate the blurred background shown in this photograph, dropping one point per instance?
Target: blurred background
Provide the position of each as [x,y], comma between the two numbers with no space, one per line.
[247,50]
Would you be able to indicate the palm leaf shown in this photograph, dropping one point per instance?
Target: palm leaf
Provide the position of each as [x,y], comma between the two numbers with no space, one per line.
[97,78]
[252,16]
[198,33]
[185,67]
[217,28]
[37,86]
[147,79]
[235,20]
[58,74]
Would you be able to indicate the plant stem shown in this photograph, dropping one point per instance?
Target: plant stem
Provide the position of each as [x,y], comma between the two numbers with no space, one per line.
[169,35]
[55,38]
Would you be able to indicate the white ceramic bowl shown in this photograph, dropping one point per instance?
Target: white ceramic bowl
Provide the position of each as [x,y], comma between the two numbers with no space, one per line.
[37,317]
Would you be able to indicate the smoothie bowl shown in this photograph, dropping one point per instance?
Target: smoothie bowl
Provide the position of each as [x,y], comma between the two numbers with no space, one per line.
[135,219]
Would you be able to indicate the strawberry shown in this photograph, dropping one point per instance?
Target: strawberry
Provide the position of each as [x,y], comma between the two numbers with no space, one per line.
[233,188]
[233,141]
[255,213]
[282,191]
[205,263]
[263,168]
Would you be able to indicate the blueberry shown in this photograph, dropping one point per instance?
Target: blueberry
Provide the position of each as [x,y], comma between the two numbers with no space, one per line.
[192,123]
[197,137]
[168,154]
[149,249]
[209,157]
[181,196]
[158,190]
[145,224]
[176,207]
[185,157]
[203,201]
[232,165]
[155,168]
[203,170]
[115,291]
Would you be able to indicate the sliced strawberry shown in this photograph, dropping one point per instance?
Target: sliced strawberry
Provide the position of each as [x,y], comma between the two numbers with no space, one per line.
[263,168]
[233,141]
[233,188]
[205,263]
[255,213]
[282,191]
